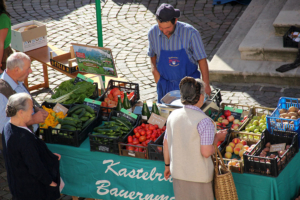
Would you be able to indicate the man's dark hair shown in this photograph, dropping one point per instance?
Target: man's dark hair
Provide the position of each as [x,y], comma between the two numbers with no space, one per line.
[3,8]
[160,20]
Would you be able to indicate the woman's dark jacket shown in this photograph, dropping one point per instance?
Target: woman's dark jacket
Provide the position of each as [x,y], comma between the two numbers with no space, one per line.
[31,166]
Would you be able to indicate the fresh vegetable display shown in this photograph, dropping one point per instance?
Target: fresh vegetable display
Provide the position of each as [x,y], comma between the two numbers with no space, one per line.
[68,92]
[111,99]
[116,127]
[52,118]
[78,118]
[143,134]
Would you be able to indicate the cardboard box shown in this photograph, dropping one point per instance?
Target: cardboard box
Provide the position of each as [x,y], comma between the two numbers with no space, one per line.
[30,39]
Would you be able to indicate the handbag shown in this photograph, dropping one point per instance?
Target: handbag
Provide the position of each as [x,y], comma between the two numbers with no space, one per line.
[224,187]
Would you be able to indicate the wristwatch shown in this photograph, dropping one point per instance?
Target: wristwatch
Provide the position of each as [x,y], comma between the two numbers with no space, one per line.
[167,165]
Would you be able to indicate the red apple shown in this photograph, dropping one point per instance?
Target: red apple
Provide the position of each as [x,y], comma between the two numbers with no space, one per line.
[223,116]
[225,121]
[235,127]
[236,121]
[230,118]
[227,113]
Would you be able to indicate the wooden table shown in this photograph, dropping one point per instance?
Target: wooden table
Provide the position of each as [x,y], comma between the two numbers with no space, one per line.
[42,55]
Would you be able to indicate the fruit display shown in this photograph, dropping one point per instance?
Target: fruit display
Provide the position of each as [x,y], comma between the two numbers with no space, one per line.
[227,120]
[286,119]
[52,118]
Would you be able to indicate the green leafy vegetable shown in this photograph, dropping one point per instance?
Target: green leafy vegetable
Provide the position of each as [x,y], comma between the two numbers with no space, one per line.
[70,93]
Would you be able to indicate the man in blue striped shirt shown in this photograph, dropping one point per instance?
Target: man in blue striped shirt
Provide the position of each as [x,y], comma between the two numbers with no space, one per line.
[176,50]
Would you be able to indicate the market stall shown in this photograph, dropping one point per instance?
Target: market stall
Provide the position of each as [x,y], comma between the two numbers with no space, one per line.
[106,176]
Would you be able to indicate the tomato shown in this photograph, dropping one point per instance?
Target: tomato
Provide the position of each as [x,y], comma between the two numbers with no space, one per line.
[151,127]
[164,128]
[140,149]
[153,135]
[148,136]
[142,138]
[138,127]
[147,126]
[130,148]
[137,135]
[149,132]
[135,130]
[143,125]
[133,136]
[141,129]
[136,149]
[112,90]
[154,131]
[159,131]
[147,141]
[144,143]
[155,126]
[129,139]
[135,141]
[143,132]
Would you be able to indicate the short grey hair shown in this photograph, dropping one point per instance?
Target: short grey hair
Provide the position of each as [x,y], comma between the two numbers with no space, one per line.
[191,90]
[16,60]
[16,102]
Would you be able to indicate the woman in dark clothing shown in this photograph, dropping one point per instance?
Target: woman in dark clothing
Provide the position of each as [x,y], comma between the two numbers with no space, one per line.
[32,169]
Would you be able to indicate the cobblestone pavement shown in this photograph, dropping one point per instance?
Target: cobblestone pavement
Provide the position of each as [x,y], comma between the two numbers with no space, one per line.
[125,26]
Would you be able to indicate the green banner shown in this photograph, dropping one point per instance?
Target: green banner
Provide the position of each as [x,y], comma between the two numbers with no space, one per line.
[108,176]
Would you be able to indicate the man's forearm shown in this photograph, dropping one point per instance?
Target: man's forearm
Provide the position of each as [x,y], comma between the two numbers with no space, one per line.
[154,69]
[204,70]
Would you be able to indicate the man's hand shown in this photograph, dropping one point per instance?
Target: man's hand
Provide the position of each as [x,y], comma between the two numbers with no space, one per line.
[167,172]
[207,89]
[58,155]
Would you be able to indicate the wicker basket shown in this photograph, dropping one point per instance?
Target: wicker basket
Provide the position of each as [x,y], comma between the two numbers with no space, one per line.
[224,187]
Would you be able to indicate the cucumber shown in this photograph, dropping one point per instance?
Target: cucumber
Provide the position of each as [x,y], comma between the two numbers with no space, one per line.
[86,107]
[68,127]
[123,123]
[75,116]
[87,114]
[84,119]
[78,111]
[67,122]
[88,122]
[73,109]
[72,119]
[83,111]
[104,130]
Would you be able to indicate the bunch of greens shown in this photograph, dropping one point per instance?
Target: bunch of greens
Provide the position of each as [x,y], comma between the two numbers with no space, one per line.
[68,93]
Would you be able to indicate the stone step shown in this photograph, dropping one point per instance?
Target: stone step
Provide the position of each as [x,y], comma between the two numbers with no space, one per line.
[261,43]
[287,17]
[228,67]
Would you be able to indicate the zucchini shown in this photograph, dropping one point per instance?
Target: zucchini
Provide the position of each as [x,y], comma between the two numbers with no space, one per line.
[67,122]
[87,114]
[78,111]
[86,107]
[68,127]
[83,111]
[123,123]
[88,122]
[84,119]
[71,119]
[104,130]
[73,109]
[75,116]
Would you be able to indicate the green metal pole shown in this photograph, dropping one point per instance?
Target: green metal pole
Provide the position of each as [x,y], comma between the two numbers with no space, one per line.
[99,29]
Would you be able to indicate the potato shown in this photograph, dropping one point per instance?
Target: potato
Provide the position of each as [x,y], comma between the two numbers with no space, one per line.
[293,109]
[282,111]
[293,114]
[294,117]
[283,115]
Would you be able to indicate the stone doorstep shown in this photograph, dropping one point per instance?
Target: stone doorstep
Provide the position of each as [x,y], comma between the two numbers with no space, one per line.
[261,43]
[287,17]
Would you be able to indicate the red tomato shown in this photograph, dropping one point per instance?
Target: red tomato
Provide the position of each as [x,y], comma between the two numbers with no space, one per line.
[143,132]
[137,135]
[144,143]
[140,130]
[133,136]
[136,149]
[153,135]
[138,127]
[135,141]
[147,126]
[149,132]
[151,127]
[159,131]
[142,138]
[164,128]
[147,141]
[112,90]
[154,131]
[155,126]
[130,148]
[140,149]
[143,125]
[148,136]
[135,130]
[129,139]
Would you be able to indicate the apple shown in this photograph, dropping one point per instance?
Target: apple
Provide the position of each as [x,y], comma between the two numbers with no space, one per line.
[232,144]
[241,152]
[239,145]
[236,121]
[228,155]
[230,118]
[243,142]
[227,113]
[235,127]
[223,116]
[220,119]
[236,140]
[218,124]
[236,150]
[225,121]
[229,149]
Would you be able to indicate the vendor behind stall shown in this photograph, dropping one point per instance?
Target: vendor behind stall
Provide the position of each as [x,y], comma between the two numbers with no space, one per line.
[189,143]
[176,50]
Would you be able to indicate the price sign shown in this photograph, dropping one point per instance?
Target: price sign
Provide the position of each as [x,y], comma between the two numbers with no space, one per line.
[92,103]
[156,119]
[236,112]
[128,115]
[81,78]
[103,148]
[60,108]
[277,147]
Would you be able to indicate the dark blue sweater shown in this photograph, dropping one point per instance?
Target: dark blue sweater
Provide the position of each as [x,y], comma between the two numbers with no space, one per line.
[31,166]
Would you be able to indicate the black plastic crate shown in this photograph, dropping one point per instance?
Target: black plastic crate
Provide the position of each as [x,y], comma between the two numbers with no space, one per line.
[287,40]
[255,164]
[63,67]
[112,144]
[73,138]
[155,149]
[123,86]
